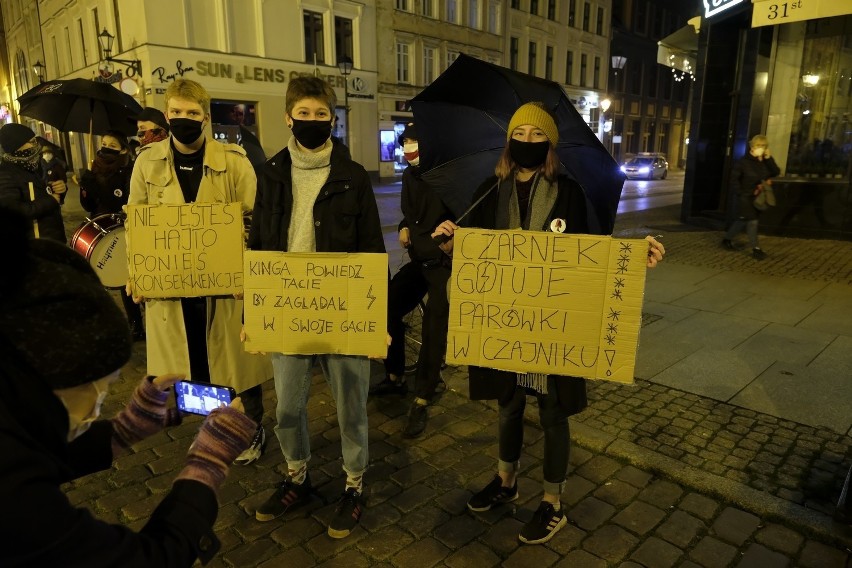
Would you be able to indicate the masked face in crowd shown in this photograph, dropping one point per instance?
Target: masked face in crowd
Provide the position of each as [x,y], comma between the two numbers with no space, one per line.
[528,146]
[186,120]
[149,132]
[310,120]
[411,151]
[83,404]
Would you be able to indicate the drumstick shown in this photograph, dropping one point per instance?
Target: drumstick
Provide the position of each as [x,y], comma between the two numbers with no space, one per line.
[35,221]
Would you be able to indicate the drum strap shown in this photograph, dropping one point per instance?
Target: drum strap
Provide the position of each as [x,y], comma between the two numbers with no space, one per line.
[32,198]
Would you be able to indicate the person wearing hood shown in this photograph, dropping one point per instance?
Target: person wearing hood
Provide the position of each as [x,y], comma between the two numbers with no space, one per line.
[52,167]
[63,342]
[200,336]
[426,273]
[530,191]
[313,198]
[151,126]
[22,187]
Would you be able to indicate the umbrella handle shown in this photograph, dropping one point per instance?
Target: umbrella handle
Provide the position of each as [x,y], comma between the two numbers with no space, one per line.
[441,239]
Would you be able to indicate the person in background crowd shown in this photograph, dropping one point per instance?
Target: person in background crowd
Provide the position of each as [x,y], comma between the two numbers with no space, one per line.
[748,176]
[199,336]
[22,187]
[62,341]
[427,272]
[534,194]
[52,168]
[314,198]
[104,190]
[151,125]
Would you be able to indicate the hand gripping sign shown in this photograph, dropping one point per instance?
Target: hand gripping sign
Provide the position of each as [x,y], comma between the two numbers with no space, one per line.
[546,302]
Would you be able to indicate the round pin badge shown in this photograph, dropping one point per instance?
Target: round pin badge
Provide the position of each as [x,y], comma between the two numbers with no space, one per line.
[557,225]
[118,193]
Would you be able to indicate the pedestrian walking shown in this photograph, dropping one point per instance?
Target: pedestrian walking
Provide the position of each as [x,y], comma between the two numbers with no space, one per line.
[531,193]
[749,177]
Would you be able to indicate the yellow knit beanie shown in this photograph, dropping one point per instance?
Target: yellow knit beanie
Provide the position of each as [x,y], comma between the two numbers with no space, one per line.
[536,115]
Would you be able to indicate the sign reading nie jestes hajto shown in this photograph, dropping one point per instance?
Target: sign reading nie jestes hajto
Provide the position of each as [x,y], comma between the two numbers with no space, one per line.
[316,303]
[553,303]
[185,250]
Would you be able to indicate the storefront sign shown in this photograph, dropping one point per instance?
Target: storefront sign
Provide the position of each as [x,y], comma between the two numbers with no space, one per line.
[160,72]
[713,7]
[772,12]
[240,73]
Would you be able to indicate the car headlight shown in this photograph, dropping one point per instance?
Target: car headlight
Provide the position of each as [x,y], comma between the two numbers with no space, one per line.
[624,169]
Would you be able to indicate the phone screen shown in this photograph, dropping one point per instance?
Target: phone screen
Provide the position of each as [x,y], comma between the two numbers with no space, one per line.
[201,398]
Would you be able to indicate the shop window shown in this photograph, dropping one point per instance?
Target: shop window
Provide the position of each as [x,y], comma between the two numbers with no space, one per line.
[812,136]
[227,116]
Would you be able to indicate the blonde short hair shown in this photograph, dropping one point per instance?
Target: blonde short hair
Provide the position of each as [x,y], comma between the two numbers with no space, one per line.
[759,139]
[189,90]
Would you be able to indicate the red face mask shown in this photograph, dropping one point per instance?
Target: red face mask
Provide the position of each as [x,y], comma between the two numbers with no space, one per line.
[150,136]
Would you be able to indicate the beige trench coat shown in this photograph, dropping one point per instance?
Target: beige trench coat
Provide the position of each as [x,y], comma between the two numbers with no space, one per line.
[228,177]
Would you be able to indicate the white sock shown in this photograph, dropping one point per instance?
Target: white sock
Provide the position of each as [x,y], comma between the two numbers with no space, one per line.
[298,471]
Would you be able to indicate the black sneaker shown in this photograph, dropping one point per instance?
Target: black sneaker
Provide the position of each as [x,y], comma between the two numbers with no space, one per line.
[418,414]
[493,494]
[387,386]
[255,450]
[545,523]
[347,514]
[729,245]
[288,497]
[758,253]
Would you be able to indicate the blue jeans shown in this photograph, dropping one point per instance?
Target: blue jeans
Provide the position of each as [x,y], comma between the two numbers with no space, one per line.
[349,379]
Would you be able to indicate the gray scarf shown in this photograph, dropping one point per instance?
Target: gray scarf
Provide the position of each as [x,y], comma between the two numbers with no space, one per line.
[542,201]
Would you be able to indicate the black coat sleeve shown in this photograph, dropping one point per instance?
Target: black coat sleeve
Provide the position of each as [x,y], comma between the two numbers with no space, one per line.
[89,191]
[370,238]
[14,194]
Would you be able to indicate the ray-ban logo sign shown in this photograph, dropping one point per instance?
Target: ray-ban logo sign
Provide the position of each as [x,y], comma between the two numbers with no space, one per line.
[713,7]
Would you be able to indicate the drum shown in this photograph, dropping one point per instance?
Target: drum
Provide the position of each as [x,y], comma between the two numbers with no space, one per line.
[102,242]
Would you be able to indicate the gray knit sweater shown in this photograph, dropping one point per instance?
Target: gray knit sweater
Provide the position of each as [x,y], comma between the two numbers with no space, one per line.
[309,173]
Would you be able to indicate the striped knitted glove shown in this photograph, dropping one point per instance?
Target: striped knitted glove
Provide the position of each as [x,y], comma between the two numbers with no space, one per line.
[145,414]
[225,434]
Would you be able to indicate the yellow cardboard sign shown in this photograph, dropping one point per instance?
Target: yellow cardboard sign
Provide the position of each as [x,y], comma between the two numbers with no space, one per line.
[537,302]
[316,303]
[185,250]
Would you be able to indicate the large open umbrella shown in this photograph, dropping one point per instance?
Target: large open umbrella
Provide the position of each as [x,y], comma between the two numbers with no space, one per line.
[80,105]
[462,119]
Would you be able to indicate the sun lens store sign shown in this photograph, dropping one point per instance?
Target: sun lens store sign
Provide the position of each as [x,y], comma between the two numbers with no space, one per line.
[714,7]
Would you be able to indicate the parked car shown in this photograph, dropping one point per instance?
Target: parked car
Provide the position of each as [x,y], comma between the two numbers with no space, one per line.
[646,166]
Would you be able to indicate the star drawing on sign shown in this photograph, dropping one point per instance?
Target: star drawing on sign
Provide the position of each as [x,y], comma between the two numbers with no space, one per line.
[625,247]
[617,295]
[619,282]
[613,314]
[610,339]
[612,328]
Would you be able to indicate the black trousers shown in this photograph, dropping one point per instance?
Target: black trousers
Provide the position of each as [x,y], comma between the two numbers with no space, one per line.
[195,321]
[407,288]
[554,423]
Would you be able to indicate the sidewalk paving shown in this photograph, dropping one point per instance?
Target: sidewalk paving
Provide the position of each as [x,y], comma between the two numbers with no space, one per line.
[660,476]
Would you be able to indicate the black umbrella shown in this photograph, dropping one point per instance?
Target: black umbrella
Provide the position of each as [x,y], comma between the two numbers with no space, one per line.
[80,105]
[252,146]
[462,119]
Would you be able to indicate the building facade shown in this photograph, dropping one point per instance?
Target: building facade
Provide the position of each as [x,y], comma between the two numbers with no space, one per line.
[650,97]
[235,48]
[792,81]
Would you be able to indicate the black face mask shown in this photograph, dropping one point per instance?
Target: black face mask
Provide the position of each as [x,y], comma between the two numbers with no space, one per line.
[528,154]
[185,130]
[109,152]
[311,133]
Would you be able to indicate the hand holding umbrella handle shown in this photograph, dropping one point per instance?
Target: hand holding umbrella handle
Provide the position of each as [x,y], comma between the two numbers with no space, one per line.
[441,239]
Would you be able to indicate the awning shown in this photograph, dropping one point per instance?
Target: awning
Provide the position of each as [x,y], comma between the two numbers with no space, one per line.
[678,50]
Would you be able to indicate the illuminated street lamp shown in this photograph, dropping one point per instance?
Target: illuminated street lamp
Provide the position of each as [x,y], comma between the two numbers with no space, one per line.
[39,69]
[132,66]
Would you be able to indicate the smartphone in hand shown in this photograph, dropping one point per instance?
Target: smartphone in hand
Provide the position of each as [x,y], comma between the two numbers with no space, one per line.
[202,398]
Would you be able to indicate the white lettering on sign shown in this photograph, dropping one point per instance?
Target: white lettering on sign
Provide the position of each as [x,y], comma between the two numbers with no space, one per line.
[713,7]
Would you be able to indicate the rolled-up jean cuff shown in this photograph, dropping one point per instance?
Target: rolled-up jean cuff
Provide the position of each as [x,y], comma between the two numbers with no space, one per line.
[508,467]
[553,488]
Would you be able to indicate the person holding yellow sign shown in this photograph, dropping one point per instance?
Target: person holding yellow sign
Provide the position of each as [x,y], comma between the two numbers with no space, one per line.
[314,198]
[530,192]
[199,337]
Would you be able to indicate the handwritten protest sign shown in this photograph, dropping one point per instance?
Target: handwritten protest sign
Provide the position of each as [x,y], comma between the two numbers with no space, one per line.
[535,302]
[312,303]
[185,250]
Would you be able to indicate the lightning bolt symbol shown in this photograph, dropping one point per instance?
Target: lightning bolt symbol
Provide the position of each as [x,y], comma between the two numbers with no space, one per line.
[371,296]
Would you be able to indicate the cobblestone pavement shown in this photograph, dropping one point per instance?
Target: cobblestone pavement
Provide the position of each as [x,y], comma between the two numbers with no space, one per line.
[658,478]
